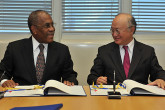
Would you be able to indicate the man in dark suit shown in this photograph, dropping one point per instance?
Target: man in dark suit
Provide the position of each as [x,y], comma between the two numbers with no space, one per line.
[137,62]
[21,59]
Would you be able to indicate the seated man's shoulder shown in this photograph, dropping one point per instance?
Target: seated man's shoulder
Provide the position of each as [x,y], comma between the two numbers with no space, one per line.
[108,46]
[145,46]
[19,42]
[58,44]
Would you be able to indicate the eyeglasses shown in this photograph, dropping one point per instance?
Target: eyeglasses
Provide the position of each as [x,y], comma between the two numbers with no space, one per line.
[117,30]
[47,25]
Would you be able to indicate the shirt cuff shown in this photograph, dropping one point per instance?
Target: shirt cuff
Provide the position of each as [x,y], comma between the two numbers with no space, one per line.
[3,81]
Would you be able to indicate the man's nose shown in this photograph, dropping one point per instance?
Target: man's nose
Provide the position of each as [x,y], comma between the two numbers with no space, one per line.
[52,28]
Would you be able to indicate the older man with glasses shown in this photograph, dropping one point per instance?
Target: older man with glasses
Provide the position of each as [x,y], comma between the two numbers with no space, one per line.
[128,58]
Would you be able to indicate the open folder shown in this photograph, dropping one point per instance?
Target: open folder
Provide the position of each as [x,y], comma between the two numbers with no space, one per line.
[132,88]
[52,87]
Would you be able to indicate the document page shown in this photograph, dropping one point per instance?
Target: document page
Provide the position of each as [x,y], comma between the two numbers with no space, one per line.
[106,88]
[76,90]
[23,93]
[60,88]
[58,85]
[130,84]
[25,87]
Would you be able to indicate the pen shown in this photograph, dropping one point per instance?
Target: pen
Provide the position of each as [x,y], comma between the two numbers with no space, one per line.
[2,95]
[5,72]
[114,88]
[11,78]
[2,75]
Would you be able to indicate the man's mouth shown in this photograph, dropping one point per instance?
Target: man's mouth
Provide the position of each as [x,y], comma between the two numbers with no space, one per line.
[116,38]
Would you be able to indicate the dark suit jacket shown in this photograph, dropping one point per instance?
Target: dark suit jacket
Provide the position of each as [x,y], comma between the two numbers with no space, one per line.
[18,62]
[144,63]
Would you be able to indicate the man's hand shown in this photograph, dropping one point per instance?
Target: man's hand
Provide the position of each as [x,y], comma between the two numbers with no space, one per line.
[9,83]
[69,83]
[101,80]
[159,82]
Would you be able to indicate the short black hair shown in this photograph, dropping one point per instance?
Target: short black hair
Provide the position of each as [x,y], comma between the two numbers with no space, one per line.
[33,18]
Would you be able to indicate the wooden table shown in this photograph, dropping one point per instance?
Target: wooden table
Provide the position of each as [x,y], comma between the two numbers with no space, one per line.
[88,102]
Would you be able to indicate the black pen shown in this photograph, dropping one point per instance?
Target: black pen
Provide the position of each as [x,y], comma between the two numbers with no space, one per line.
[5,72]
[2,75]
[2,95]
[114,83]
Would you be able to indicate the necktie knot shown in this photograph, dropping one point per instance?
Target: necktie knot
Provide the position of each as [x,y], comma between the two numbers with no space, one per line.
[41,47]
[125,48]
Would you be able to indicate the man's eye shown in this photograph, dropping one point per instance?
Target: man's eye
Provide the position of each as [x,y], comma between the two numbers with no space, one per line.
[47,25]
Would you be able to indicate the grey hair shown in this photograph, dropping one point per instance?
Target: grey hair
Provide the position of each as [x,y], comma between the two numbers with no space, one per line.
[132,23]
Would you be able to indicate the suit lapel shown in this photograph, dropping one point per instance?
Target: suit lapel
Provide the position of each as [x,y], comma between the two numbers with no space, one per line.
[116,58]
[29,59]
[135,58]
[50,56]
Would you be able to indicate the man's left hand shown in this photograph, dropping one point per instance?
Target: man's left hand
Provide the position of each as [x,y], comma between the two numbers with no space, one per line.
[69,83]
[159,82]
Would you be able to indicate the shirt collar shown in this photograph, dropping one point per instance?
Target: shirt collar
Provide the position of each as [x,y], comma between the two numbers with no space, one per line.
[130,45]
[36,43]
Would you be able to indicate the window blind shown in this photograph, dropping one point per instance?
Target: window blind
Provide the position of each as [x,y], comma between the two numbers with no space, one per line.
[88,15]
[149,14]
[14,13]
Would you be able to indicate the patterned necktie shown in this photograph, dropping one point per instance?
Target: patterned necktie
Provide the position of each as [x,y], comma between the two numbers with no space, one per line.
[40,64]
[126,61]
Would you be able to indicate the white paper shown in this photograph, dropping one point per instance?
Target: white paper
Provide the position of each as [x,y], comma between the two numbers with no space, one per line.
[153,89]
[25,87]
[21,93]
[105,91]
[70,90]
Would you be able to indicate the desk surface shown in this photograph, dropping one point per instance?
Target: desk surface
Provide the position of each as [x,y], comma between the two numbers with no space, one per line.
[88,103]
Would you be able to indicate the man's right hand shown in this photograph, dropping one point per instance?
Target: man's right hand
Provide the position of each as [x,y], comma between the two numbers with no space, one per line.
[9,83]
[101,80]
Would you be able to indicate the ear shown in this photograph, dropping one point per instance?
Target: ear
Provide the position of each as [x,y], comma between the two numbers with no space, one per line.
[34,30]
[132,29]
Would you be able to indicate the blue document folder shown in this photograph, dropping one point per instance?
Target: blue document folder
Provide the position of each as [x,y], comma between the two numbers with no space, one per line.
[45,107]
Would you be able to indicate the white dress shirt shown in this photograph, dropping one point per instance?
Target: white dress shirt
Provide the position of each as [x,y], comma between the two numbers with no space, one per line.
[130,50]
[36,50]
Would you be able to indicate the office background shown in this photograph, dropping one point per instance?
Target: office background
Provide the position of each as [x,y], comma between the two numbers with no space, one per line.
[83,45]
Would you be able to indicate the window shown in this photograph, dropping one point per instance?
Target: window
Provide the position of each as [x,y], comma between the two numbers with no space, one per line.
[149,14]
[88,15]
[14,13]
